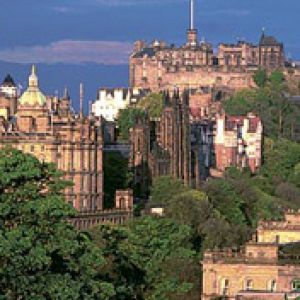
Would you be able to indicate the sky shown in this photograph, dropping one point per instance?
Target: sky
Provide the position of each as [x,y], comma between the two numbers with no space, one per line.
[89,41]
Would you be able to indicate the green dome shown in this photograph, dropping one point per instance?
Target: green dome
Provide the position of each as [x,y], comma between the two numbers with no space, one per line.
[33,96]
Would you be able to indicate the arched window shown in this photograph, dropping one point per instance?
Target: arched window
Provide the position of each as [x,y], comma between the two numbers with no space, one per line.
[295,285]
[248,284]
[272,285]
[122,203]
[224,286]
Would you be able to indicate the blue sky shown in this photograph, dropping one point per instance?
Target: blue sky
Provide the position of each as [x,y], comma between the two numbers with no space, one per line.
[90,40]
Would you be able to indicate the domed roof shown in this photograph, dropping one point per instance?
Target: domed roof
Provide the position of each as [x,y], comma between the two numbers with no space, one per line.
[33,96]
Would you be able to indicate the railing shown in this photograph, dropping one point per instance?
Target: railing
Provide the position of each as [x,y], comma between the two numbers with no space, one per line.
[237,257]
[85,220]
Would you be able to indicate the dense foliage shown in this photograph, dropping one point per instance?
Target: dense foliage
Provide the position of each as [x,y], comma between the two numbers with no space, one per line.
[127,119]
[153,104]
[41,255]
[149,259]
[116,176]
[280,115]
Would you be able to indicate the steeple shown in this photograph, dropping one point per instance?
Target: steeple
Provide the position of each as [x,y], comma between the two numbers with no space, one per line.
[192,33]
[33,79]
[66,94]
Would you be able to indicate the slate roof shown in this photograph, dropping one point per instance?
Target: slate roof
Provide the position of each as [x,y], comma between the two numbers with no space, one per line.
[146,51]
[268,41]
[8,81]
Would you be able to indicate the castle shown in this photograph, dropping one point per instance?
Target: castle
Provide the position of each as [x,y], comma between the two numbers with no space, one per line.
[158,66]
[267,267]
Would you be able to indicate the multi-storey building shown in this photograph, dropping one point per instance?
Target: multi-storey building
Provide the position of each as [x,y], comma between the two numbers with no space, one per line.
[183,144]
[267,267]
[110,101]
[172,145]
[8,87]
[238,142]
[159,66]
[48,129]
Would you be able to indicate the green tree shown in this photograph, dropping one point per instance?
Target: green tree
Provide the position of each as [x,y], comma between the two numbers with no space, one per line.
[260,78]
[164,188]
[280,116]
[153,104]
[116,176]
[41,255]
[241,103]
[127,119]
[146,258]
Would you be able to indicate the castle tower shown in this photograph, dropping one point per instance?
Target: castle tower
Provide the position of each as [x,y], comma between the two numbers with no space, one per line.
[192,33]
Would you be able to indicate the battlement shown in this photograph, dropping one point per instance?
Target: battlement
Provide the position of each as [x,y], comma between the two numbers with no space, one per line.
[291,221]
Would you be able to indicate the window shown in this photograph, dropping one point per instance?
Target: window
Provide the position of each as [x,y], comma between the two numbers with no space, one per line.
[122,203]
[296,285]
[224,286]
[32,148]
[272,285]
[249,285]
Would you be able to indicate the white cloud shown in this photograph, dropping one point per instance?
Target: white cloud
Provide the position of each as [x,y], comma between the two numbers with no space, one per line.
[132,2]
[64,9]
[228,12]
[71,52]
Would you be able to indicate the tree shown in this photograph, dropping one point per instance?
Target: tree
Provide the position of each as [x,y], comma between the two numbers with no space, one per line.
[240,104]
[116,176]
[153,104]
[260,78]
[41,255]
[280,116]
[146,258]
[276,78]
[164,188]
[127,119]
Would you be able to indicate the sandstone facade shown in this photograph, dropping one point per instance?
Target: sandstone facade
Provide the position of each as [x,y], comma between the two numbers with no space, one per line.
[262,269]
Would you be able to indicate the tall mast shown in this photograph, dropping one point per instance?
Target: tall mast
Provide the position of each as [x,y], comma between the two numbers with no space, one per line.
[192,33]
[192,15]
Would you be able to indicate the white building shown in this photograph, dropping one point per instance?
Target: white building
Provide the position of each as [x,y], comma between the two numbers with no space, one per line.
[111,101]
[8,88]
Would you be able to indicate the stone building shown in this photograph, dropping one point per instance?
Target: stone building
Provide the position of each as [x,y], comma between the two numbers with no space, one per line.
[158,66]
[8,97]
[8,87]
[238,142]
[267,267]
[48,129]
[110,101]
[172,144]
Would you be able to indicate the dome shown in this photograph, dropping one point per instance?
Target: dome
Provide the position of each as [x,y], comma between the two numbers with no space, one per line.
[33,96]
